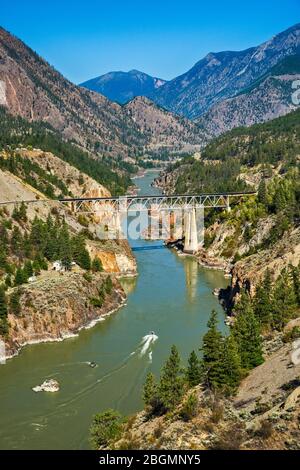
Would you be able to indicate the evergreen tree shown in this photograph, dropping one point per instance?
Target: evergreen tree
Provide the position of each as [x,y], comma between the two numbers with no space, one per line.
[262,195]
[20,278]
[65,249]
[171,386]
[14,302]
[231,364]
[284,300]
[246,331]
[212,349]
[296,282]
[27,270]
[97,265]
[194,370]
[3,312]
[262,302]
[150,393]
[80,253]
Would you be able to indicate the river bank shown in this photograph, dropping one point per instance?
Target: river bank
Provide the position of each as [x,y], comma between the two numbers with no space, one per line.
[39,323]
[172,296]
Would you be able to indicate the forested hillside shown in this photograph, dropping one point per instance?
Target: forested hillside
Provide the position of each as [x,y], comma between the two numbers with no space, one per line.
[17,132]
[273,143]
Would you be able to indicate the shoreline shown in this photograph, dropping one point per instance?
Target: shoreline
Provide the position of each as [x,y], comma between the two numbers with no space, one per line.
[69,335]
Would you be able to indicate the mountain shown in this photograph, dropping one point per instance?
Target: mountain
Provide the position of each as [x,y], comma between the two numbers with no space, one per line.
[34,90]
[31,88]
[267,98]
[223,75]
[163,129]
[124,86]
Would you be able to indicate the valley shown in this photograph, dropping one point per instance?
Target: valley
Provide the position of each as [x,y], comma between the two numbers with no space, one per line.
[146,346]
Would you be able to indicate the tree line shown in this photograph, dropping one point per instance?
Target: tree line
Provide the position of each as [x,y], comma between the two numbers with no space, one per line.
[225,358]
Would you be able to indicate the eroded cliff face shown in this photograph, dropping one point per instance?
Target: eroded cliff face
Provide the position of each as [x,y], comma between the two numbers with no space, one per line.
[57,306]
[249,272]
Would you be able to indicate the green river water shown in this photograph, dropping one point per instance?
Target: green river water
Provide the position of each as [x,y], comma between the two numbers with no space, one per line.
[171,295]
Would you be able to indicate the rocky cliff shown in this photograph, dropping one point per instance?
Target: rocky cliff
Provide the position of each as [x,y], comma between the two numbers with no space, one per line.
[57,306]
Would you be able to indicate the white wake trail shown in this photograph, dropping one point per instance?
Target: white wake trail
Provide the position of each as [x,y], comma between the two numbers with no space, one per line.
[148,340]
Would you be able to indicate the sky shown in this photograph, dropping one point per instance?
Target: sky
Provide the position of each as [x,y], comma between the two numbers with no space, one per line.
[162,38]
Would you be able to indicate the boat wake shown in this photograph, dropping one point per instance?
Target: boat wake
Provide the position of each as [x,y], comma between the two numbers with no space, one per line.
[146,344]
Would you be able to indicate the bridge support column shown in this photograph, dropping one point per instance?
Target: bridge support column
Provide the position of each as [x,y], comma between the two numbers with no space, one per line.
[190,233]
[228,208]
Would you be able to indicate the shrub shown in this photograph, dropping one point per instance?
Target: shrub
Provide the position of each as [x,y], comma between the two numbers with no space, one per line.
[266,429]
[190,407]
[106,427]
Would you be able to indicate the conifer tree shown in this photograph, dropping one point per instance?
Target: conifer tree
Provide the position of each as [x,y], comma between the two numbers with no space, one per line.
[212,353]
[97,265]
[150,392]
[171,386]
[262,302]
[14,302]
[19,277]
[262,193]
[284,300]
[65,249]
[296,282]
[246,331]
[231,363]
[194,370]
[3,312]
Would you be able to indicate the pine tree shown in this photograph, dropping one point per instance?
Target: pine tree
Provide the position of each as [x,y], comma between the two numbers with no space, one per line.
[212,353]
[65,249]
[3,312]
[295,271]
[262,193]
[194,370]
[171,386]
[80,253]
[97,265]
[19,277]
[14,302]
[150,393]
[27,270]
[231,363]
[284,300]
[246,331]
[262,302]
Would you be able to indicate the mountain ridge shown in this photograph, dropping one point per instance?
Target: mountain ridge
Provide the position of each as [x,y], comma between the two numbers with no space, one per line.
[122,87]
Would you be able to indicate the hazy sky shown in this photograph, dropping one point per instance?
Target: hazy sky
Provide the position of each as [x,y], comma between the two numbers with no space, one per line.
[163,38]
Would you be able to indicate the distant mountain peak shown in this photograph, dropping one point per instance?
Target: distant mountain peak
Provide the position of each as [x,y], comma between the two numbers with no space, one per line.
[124,86]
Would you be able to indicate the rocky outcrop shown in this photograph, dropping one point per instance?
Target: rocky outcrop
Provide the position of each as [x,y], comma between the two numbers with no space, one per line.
[249,271]
[115,256]
[58,306]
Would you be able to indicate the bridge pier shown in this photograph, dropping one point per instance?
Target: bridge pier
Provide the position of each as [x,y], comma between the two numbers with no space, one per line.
[190,232]
[228,208]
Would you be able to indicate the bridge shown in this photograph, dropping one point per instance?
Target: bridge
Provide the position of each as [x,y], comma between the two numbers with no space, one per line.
[115,207]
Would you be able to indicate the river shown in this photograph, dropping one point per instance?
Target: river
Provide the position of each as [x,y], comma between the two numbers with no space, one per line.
[171,295]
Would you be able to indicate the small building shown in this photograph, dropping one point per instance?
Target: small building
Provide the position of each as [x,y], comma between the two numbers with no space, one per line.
[32,278]
[57,266]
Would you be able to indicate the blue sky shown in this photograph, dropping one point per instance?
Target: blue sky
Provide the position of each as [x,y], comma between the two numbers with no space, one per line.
[163,38]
